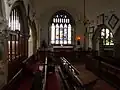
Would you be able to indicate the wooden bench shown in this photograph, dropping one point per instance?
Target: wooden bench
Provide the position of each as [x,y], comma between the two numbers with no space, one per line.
[110,73]
[87,79]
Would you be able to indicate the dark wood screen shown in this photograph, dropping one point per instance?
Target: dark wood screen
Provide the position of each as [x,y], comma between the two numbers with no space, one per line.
[17,42]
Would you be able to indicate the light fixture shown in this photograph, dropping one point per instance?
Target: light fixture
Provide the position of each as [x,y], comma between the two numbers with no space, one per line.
[78,38]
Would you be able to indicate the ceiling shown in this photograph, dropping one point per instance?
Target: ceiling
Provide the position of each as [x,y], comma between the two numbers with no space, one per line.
[93,7]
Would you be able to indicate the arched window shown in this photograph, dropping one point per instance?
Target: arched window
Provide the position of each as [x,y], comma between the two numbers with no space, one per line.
[17,38]
[14,35]
[14,19]
[107,36]
[61,27]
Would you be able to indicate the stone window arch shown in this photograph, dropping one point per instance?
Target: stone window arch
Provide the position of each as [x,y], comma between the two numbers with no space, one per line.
[107,37]
[61,29]
[18,34]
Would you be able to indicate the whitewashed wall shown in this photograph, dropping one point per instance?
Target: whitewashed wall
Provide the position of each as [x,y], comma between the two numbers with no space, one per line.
[7,6]
[45,9]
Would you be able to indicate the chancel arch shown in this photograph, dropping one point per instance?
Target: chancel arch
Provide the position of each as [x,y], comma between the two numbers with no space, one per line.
[102,41]
[30,42]
[61,29]
[33,37]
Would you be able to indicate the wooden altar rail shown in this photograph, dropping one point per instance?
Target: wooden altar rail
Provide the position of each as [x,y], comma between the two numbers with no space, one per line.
[105,67]
[70,55]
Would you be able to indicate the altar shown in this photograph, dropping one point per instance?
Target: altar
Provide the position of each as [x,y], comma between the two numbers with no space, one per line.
[63,48]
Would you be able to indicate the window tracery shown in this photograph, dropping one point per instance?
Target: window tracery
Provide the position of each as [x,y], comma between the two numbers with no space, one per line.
[61,29]
[107,37]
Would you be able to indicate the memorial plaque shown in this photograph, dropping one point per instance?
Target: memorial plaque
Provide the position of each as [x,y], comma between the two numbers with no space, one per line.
[113,21]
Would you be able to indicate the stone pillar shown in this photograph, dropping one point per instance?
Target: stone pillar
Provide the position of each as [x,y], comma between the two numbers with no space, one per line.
[26,37]
[117,49]
[4,53]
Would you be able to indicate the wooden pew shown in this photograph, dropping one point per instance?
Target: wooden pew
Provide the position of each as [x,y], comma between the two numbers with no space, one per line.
[18,69]
[110,73]
[85,80]
[92,63]
[106,68]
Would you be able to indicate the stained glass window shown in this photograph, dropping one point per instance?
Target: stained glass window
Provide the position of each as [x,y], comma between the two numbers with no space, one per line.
[61,33]
[107,37]
[61,29]
[14,20]
[14,24]
[65,34]
[69,34]
[53,33]
[57,34]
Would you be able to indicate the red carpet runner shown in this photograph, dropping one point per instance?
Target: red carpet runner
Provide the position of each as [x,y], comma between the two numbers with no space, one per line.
[26,82]
[53,82]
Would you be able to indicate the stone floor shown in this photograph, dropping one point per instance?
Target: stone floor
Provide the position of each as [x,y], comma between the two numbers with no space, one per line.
[100,84]
[2,81]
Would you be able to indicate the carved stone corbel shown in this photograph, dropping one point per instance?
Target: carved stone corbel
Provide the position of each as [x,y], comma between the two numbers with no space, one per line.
[3,23]
[9,2]
[4,44]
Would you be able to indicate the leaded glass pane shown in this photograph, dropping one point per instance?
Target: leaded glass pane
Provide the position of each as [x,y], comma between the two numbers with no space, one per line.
[14,20]
[65,34]
[60,20]
[111,35]
[61,34]
[111,42]
[102,33]
[64,20]
[107,37]
[68,20]
[69,32]
[107,33]
[57,34]
[53,33]
[65,16]
[54,20]
[69,42]
[61,30]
